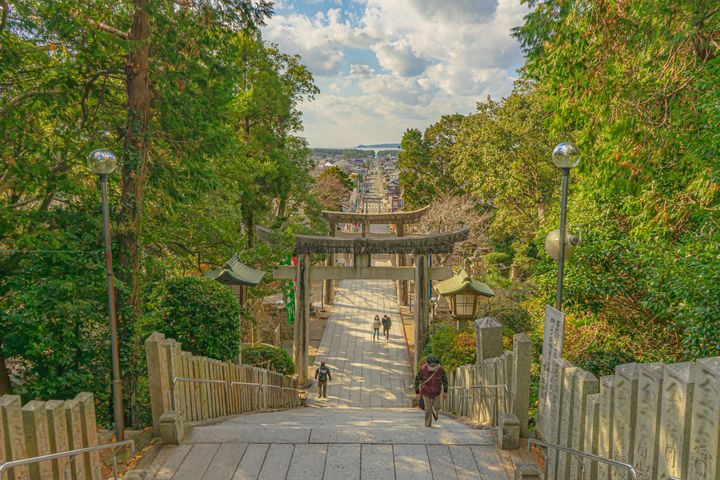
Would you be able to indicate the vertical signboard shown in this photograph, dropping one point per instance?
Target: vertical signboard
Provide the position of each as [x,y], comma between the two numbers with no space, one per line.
[551,351]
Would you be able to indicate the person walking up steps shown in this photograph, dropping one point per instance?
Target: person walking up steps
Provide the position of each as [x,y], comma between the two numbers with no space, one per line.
[322,375]
[386,323]
[376,327]
[430,381]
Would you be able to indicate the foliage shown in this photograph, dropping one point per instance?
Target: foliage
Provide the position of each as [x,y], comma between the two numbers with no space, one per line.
[200,313]
[269,357]
[633,82]
[453,348]
[424,162]
[205,126]
[501,151]
[511,314]
[332,188]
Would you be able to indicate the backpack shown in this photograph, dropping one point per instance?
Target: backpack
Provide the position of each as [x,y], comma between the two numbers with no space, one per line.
[323,373]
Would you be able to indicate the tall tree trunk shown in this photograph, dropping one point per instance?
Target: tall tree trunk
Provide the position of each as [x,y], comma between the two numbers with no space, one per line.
[134,178]
[5,387]
[250,225]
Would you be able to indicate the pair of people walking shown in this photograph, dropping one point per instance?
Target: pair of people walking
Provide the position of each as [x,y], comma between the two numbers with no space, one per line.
[386,323]
[430,382]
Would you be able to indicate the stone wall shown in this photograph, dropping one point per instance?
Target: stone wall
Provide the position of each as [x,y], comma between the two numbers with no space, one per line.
[498,383]
[662,419]
[40,428]
[226,394]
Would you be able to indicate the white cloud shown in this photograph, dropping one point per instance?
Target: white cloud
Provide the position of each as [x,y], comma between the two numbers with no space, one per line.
[422,59]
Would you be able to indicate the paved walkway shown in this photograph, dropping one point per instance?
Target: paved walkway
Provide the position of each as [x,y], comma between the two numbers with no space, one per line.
[332,444]
[365,373]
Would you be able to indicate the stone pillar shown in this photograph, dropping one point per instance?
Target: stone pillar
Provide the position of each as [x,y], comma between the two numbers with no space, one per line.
[705,432]
[488,340]
[12,416]
[647,427]
[329,285]
[590,444]
[157,378]
[557,409]
[403,290]
[58,434]
[37,440]
[585,385]
[623,436]
[422,319]
[567,424]
[605,424]
[675,417]
[89,434]
[301,329]
[520,380]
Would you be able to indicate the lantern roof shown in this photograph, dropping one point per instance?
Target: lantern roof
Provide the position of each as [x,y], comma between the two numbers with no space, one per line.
[463,282]
[234,272]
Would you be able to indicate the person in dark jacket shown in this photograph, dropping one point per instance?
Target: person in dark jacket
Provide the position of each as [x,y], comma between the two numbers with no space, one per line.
[386,323]
[322,375]
[430,382]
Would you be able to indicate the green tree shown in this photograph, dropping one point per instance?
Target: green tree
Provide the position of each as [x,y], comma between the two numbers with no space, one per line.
[425,162]
[502,153]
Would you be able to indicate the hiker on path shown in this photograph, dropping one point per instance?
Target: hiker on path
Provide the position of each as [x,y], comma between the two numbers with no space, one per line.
[430,382]
[386,323]
[376,327]
[322,375]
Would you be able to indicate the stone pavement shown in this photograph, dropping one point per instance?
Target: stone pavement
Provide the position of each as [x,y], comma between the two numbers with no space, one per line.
[365,373]
[332,443]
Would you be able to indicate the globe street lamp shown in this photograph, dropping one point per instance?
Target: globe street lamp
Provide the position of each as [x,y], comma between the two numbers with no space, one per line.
[102,163]
[565,156]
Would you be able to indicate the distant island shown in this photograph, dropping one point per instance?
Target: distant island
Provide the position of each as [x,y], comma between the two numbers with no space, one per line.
[380,145]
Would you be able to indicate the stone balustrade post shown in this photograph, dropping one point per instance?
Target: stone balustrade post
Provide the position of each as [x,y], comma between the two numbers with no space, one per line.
[520,380]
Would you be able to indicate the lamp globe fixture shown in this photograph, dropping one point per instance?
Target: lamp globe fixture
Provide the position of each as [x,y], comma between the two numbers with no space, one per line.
[102,161]
[566,156]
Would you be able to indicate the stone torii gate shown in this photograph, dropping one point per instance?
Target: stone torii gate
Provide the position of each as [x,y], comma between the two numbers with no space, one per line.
[399,219]
[362,248]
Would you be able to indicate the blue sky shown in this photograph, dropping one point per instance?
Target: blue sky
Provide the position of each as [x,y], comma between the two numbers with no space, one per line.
[387,65]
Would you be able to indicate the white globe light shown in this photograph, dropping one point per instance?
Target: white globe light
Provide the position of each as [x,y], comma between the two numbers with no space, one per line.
[552,244]
[102,161]
[566,155]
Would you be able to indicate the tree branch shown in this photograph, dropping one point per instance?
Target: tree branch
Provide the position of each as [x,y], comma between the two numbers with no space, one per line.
[103,26]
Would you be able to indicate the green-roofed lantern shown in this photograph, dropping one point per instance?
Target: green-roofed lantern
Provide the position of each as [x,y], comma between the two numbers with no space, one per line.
[238,277]
[463,291]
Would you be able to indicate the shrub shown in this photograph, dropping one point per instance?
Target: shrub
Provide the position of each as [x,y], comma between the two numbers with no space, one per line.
[200,313]
[453,348]
[269,357]
[510,313]
[603,362]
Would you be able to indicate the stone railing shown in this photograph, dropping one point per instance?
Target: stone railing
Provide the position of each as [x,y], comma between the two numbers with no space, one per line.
[498,383]
[54,426]
[187,388]
[662,419]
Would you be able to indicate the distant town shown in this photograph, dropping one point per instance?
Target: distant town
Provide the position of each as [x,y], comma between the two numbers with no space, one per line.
[357,162]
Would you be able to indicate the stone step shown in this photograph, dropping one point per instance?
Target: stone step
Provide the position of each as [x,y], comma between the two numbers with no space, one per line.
[239,433]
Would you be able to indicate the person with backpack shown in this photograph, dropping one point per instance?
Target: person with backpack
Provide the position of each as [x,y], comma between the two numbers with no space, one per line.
[430,382]
[376,327]
[386,323]
[322,375]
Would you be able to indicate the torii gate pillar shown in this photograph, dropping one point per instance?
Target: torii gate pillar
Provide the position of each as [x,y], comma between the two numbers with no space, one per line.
[301,328]
[403,290]
[329,285]
[422,318]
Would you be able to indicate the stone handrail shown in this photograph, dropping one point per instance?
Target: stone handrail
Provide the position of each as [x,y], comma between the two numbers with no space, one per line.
[187,388]
[662,419]
[44,428]
[498,383]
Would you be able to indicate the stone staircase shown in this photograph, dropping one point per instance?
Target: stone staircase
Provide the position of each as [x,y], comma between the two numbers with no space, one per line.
[332,443]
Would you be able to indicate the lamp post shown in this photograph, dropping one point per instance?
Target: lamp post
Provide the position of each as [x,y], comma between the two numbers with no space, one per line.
[565,156]
[102,163]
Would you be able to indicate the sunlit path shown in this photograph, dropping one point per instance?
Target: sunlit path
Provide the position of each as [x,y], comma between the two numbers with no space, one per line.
[366,373]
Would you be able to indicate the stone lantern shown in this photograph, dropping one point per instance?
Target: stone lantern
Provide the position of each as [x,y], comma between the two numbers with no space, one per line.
[464,291]
[238,277]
